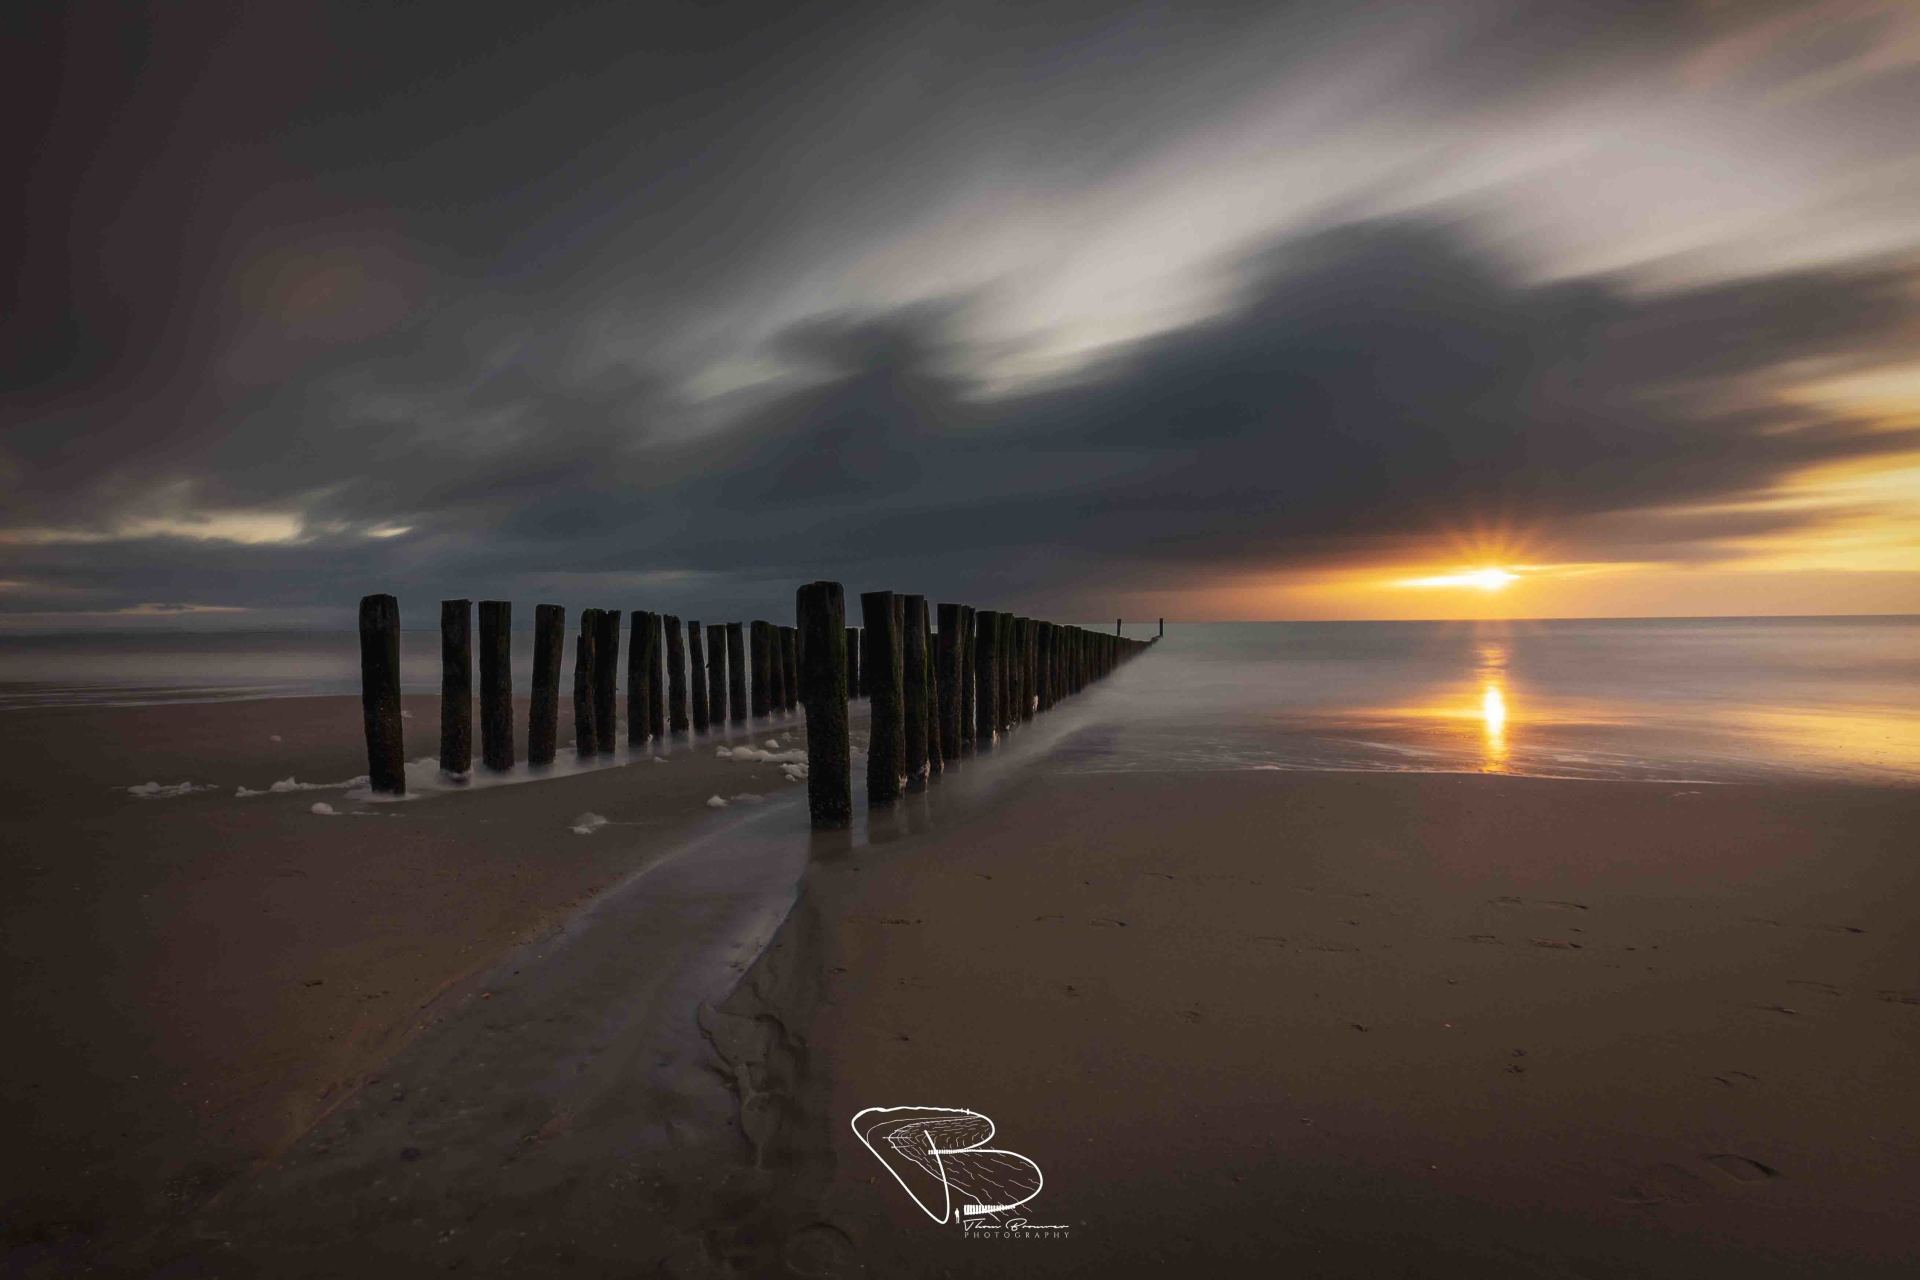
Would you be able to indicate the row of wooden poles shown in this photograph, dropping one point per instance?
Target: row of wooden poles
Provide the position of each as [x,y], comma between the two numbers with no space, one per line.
[936,694]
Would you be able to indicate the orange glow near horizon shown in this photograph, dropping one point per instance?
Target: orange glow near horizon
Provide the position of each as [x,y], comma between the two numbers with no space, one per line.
[1492,578]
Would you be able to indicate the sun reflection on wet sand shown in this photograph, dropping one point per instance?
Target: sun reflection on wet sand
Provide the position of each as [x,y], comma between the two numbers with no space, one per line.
[1492,655]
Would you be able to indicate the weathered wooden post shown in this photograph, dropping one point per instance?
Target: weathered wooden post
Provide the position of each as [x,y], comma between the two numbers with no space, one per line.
[822,610]
[586,737]
[776,678]
[790,665]
[639,675]
[456,685]
[717,674]
[656,684]
[936,757]
[1003,669]
[853,662]
[496,684]
[984,681]
[1162,631]
[964,660]
[913,671]
[886,743]
[676,676]
[380,694]
[946,668]
[543,714]
[761,640]
[697,672]
[606,675]
[736,673]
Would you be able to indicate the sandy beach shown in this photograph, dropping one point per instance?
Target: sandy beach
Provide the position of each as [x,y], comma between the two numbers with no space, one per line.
[193,981]
[1362,1025]
[1348,1023]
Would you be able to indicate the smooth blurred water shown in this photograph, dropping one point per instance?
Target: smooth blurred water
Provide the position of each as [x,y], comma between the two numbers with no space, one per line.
[1687,699]
[1711,700]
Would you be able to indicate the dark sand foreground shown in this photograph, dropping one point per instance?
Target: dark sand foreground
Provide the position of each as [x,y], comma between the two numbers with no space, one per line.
[1331,1024]
[191,983]
[1364,1025]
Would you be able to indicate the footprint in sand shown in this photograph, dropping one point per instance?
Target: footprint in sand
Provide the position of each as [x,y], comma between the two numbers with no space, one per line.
[1742,1168]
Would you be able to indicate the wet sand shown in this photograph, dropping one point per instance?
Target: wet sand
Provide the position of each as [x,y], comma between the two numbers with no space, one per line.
[191,983]
[1344,1024]
[1361,1025]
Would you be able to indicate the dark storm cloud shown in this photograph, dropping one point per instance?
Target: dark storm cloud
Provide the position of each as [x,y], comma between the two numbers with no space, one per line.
[454,271]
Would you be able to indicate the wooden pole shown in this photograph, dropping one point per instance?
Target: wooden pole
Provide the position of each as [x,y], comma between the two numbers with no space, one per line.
[676,676]
[946,667]
[760,639]
[736,673]
[586,738]
[697,671]
[496,684]
[639,678]
[380,694]
[984,681]
[656,685]
[886,743]
[853,662]
[936,757]
[606,676]
[964,643]
[822,610]
[717,674]
[913,668]
[456,685]
[549,649]
[790,665]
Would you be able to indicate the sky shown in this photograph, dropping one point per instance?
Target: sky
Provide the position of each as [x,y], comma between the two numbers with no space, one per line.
[1455,308]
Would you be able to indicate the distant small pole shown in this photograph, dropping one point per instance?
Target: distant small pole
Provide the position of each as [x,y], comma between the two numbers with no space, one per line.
[380,694]
[496,684]
[760,639]
[1163,629]
[736,673]
[586,739]
[676,676]
[697,673]
[549,649]
[456,685]
[606,675]
[790,666]
[913,669]
[886,743]
[853,662]
[822,610]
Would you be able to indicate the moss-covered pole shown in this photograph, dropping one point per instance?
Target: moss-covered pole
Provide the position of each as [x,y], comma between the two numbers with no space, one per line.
[676,677]
[456,685]
[496,684]
[380,694]
[886,743]
[822,649]
[543,712]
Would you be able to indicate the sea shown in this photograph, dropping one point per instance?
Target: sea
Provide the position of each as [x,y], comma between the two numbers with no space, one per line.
[1683,700]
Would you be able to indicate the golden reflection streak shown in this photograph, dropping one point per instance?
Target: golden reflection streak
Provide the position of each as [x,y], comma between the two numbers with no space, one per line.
[1495,749]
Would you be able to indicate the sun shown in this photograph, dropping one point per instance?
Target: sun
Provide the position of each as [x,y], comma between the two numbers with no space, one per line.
[1490,578]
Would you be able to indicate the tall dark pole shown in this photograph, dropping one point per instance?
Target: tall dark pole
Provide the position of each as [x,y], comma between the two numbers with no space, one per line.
[676,677]
[606,678]
[543,714]
[736,673]
[790,666]
[656,682]
[380,694]
[822,611]
[456,685]
[697,677]
[761,640]
[586,738]
[913,668]
[853,662]
[886,744]
[639,683]
[946,668]
[496,684]
[717,674]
